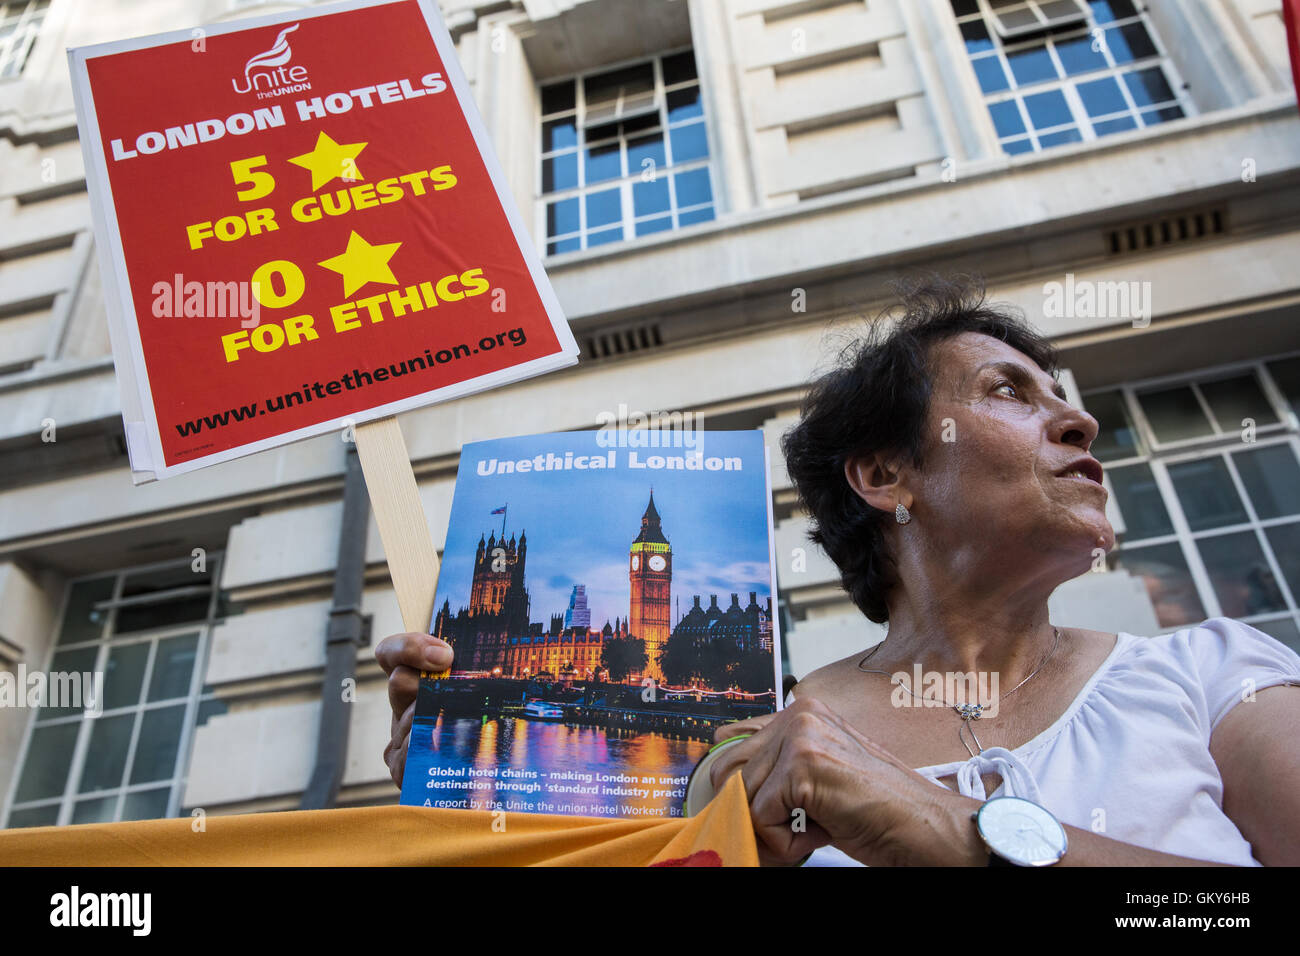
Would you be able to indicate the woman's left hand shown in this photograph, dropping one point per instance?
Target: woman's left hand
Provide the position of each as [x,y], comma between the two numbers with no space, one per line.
[812,780]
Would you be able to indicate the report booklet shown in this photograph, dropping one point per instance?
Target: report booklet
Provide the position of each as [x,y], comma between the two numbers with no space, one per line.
[610,598]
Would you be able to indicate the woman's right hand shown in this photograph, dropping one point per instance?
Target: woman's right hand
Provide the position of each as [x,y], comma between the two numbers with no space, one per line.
[403,656]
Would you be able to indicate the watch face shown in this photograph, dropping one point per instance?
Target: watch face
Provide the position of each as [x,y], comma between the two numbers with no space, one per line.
[636,561]
[657,563]
[1021,831]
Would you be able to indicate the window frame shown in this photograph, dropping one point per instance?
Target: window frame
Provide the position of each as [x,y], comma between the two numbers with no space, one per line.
[1067,83]
[25,33]
[627,178]
[1223,445]
[107,641]
[1035,7]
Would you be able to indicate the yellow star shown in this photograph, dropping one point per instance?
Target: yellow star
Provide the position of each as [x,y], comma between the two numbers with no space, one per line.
[330,159]
[363,263]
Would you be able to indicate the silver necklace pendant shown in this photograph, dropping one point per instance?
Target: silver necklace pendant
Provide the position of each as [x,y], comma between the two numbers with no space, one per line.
[969,711]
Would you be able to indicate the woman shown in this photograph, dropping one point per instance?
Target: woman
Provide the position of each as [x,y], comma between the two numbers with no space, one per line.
[949,479]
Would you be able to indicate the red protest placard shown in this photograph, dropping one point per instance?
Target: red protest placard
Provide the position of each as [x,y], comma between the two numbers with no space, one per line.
[301,222]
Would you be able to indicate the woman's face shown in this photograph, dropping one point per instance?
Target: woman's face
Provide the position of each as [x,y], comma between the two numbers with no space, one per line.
[1000,440]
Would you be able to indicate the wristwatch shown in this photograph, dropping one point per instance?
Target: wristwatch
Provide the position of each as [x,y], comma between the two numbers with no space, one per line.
[1019,832]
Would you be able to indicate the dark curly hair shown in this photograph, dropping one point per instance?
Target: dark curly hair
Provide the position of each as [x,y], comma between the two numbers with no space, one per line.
[876,399]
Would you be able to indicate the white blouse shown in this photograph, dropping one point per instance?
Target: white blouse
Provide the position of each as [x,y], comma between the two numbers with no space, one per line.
[1130,757]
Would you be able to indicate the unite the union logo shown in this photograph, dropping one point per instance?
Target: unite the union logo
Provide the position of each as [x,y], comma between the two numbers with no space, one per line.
[269,74]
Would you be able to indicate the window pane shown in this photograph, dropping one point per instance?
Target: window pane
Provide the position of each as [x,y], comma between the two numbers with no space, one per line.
[1284,539]
[976,36]
[988,70]
[1168,582]
[1206,493]
[689,142]
[638,124]
[1077,55]
[125,675]
[599,134]
[1048,109]
[160,737]
[693,188]
[696,215]
[559,134]
[164,579]
[1033,65]
[1118,437]
[1014,14]
[648,226]
[606,88]
[1174,414]
[560,172]
[173,667]
[650,197]
[1272,479]
[81,663]
[604,162]
[1104,11]
[34,817]
[45,770]
[1241,577]
[1129,42]
[106,756]
[1059,9]
[558,97]
[1106,127]
[1286,373]
[1070,135]
[684,104]
[95,810]
[603,208]
[146,804]
[145,616]
[1140,502]
[1006,118]
[1101,97]
[81,622]
[1153,117]
[1232,399]
[1148,87]
[1015,146]
[608,235]
[679,67]
[564,245]
[645,153]
[562,217]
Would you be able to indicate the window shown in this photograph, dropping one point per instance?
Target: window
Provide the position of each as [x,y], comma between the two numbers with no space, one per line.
[1017,17]
[144,634]
[624,153]
[19,23]
[1066,71]
[1206,472]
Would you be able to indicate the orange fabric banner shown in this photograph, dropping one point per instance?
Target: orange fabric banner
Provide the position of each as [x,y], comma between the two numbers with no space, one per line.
[399,836]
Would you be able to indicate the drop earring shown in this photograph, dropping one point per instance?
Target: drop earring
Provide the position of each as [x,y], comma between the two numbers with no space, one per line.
[901,514]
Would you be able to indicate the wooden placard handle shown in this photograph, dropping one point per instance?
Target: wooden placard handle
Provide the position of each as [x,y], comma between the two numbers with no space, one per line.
[399,513]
